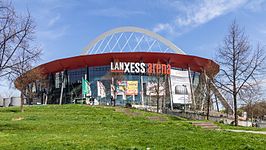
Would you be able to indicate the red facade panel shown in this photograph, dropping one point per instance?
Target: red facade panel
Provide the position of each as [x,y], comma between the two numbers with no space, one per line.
[195,63]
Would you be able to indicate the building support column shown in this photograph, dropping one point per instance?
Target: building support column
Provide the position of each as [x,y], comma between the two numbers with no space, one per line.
[170,92]
[191,89]
[216,102]
[142,92]
[168,78]
[208,93]
[46,99]
[62,89]
[47,89]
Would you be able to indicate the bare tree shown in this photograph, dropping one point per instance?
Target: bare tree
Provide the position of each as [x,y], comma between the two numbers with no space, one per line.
[250,96]
[240,64]
[16,39]
[258,109]
[24,76]
[158,88]
[113,78]
[26,83]
[17,51]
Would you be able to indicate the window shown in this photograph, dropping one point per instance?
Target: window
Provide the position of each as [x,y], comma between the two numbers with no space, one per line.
[57,79]
[75,75]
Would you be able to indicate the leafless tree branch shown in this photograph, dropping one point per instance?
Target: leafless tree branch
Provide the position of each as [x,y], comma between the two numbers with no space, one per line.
[240,65]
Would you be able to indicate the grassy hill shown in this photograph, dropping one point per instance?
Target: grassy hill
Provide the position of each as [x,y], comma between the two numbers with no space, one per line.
[86,127]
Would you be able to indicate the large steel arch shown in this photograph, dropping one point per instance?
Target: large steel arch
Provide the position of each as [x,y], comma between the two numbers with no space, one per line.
[90,47]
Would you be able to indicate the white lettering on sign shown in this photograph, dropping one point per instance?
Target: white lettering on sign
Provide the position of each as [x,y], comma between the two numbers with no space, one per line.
[132,67]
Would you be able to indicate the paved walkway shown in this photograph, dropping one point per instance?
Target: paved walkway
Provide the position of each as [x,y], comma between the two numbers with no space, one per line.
[205,125]
[246,131]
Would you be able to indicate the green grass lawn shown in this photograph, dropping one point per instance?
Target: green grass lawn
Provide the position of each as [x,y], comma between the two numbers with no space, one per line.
[86,127]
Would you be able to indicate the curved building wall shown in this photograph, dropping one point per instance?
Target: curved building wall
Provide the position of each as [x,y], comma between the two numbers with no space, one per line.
[72,87]
[176,86]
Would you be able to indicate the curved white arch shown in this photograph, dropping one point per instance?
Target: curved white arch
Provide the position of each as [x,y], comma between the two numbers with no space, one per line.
[132,29]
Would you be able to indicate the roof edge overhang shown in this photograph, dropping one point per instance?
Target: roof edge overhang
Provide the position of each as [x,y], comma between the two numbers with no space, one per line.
[194,63]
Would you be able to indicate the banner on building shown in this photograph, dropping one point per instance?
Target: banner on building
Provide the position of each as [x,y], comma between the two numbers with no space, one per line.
[112,90]
[86,90]
[180,85]
[101,89]
[127,88]
[132,88]
[121,87]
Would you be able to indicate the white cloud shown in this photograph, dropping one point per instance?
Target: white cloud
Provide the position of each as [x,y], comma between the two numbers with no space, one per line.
[206,11]
[194,14]
[256,5]
[159,27]
[115,12]
[54,33]
[53,20]
[263,30]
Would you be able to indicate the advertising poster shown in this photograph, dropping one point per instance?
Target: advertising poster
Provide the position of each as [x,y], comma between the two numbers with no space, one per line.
[132,88]
[127,88]
[180,87]
[121,87]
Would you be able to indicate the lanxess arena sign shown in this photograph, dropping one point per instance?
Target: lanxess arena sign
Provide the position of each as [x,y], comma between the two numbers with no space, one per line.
[143,68]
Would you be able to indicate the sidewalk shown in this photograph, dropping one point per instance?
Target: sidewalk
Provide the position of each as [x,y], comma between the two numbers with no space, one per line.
[246,131]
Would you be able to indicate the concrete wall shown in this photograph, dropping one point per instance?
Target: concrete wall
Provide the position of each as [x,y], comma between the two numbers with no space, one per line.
[1,101]
[13,101]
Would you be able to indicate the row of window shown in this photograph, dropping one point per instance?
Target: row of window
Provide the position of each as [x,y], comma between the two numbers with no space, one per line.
[94,74]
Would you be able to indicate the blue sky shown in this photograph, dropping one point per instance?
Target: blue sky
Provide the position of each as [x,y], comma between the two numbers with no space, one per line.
[65,27]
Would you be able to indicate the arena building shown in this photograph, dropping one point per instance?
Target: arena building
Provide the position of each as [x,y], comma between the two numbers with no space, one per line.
[132,65]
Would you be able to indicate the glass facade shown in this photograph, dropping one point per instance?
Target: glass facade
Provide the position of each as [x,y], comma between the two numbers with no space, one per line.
[147,91]
[75,75]
[99,74]
[74,80]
